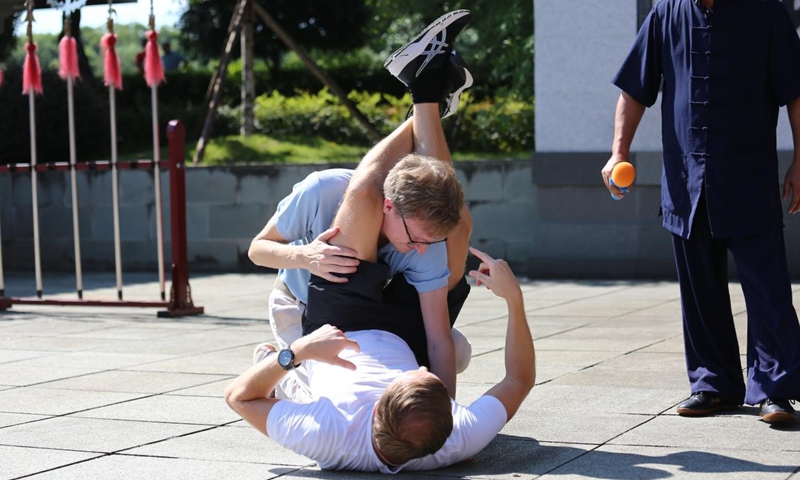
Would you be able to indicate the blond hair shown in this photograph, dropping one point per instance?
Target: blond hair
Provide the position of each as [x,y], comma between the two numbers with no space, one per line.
[412,419]
[426,189]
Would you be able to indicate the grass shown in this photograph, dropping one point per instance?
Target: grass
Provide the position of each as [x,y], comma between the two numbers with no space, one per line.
[260,149]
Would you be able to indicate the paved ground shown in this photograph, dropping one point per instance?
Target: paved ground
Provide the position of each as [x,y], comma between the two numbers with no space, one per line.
[109,393]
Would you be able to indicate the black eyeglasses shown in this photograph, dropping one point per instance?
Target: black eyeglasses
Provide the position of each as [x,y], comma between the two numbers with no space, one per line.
[411,242]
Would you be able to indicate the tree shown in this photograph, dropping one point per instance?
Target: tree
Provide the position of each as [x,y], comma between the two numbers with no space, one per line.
[7,39]
[497,44]
[319,24]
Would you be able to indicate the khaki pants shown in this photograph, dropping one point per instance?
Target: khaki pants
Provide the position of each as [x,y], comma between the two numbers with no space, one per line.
[285,317]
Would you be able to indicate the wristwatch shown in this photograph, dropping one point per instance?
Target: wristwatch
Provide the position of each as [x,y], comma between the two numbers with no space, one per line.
[286,359]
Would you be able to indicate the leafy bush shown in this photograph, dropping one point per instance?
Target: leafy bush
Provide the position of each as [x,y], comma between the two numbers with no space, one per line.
[501,126]
[52,134]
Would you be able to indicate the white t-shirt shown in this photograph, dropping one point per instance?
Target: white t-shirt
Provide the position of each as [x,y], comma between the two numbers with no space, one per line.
[335,430]
[310,209]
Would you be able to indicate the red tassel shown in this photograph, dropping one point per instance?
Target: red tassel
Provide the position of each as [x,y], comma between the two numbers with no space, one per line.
[1,77]
[113,76]
[68,58]
[31,71]
[153,71]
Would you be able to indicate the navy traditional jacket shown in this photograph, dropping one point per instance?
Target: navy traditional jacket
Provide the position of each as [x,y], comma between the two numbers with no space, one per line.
[725,74]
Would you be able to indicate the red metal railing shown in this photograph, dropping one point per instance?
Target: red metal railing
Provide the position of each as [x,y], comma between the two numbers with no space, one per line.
[180,298]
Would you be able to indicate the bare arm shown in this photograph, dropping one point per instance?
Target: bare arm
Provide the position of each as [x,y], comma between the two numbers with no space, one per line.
[374,167]
[626,120]
[441,350]
[457,245]
[270,249]
[520,357]
[248,394]
[791,182]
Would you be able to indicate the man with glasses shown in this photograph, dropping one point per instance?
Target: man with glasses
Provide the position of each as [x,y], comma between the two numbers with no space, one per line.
[402,213]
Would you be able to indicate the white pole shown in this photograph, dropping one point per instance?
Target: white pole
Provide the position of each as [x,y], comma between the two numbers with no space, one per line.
[157,175]
[76,233]
[37,257]
[115,188]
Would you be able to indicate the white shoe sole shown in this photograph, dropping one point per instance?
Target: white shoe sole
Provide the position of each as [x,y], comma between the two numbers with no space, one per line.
[258,356]
[457,95]
[401,58]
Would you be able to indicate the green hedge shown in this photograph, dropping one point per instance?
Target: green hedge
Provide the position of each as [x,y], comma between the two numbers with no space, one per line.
[499,126]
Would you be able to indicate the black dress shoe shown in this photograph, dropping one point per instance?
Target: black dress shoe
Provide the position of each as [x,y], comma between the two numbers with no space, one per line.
[704,403]
[777,410]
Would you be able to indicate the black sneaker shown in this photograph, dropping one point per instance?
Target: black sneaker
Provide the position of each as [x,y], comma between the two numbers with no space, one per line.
[458,79]
[704,403]
[429,50]
[777,410]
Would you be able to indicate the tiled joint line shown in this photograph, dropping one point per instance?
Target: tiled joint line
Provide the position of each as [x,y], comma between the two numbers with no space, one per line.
[144,396]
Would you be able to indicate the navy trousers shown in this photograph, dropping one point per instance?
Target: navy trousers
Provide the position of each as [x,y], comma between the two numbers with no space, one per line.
[773,332]
[364,304]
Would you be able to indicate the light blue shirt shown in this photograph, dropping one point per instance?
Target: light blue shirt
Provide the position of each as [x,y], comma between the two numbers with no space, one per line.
[310,209]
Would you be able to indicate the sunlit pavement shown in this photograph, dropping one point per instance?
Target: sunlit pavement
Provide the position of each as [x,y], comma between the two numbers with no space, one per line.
[118,393]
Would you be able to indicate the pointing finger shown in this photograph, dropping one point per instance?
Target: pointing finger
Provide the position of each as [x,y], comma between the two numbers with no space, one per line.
[483,256]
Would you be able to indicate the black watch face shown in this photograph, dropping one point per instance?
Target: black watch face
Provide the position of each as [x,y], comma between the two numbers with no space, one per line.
[286,358]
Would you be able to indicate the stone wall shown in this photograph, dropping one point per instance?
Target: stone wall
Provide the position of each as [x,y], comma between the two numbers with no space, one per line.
[549,217]
[580,45]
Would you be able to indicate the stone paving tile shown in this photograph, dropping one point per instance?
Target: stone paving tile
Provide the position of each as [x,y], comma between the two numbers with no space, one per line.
[135,382]
[134,332]
[55,327]
[645,361]
[21,461]
[489,369]
[603,333]
[204,363]
[317,474]
[130,467]
[50,401]
[539,327]
[619,345]
[91,435]
[610,371]
[224,339]
[510,456]
[565,399]
[53,344]
[8,419]
[171,346]
[8,356]
[97,360]
[18,375]
[214,389]
[612,462]
[668,345]
[583,426]
[740,430]
[557,358]
[614,377]
[593,307]
[241,444]
[168,409]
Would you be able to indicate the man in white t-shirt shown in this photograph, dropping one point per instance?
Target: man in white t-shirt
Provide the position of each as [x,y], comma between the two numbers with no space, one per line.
[373,409]
[402,207]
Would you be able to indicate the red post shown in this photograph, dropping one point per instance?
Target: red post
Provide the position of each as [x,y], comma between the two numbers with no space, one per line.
[180,296]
